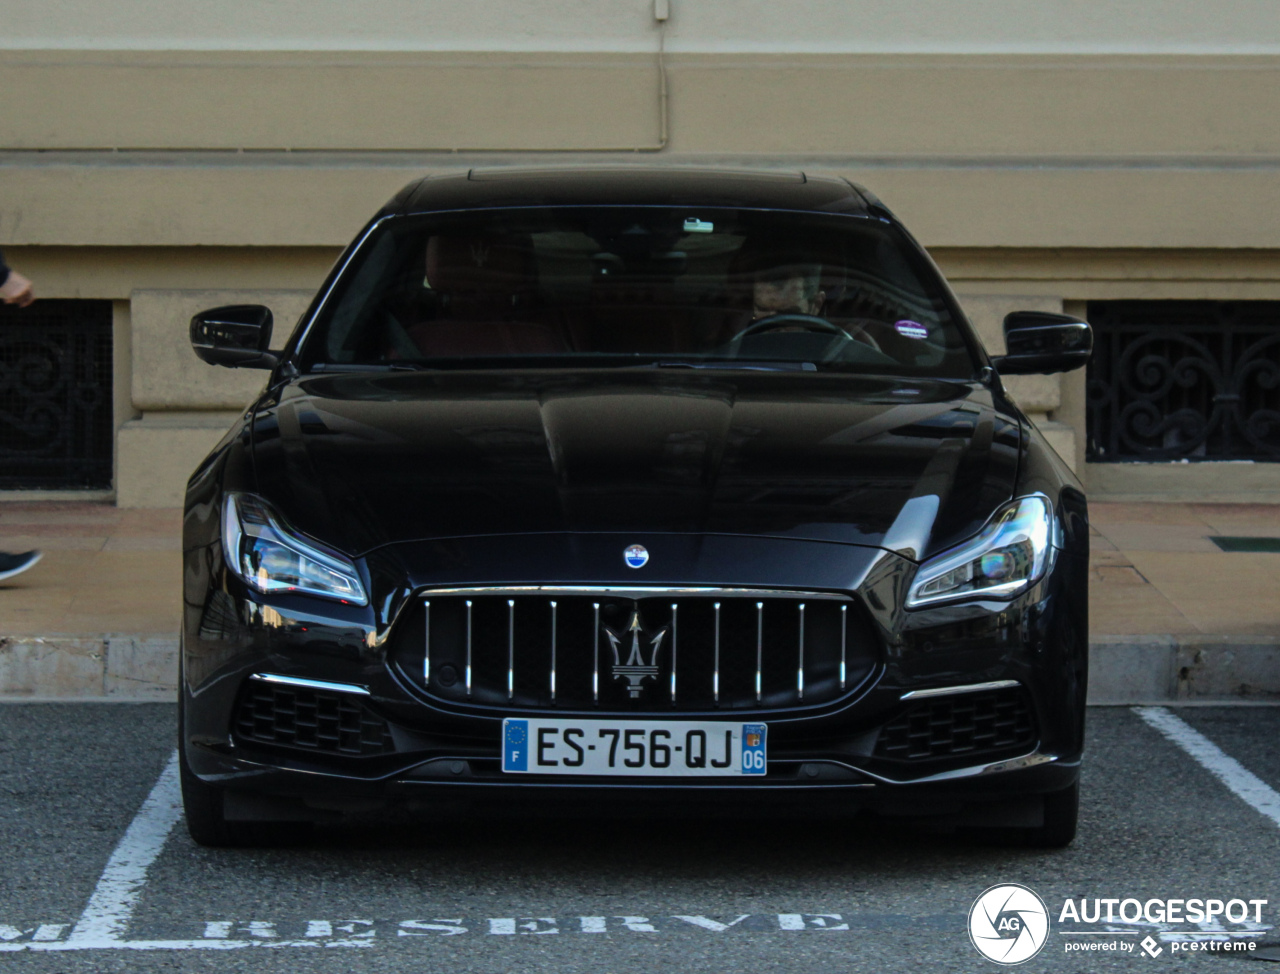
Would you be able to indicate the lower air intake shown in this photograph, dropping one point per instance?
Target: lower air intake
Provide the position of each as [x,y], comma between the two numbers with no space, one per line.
[960,726]
[311,720]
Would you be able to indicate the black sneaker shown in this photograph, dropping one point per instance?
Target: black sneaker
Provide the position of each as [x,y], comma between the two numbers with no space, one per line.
[11,565]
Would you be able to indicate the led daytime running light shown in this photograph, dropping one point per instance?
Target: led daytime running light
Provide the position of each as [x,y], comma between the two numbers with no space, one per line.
[270,558]
[1013,550]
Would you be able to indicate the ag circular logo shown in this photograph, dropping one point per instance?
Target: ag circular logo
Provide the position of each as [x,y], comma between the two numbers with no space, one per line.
[636,556]
[1008,924]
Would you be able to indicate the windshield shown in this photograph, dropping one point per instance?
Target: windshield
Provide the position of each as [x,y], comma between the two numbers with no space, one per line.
[638,286]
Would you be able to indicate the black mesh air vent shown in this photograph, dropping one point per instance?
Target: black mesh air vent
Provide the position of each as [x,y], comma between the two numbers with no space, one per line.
[961,725]
[313,720]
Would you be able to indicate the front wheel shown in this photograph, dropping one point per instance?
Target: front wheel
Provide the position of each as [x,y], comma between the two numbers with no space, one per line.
[1056,830]
[1061,813]
[202,807]
[205,811]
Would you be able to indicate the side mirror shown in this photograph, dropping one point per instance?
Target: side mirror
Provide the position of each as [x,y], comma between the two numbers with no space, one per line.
[1040,343]
[236,336]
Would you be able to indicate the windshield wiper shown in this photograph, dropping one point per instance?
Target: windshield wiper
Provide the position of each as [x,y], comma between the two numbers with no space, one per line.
[741,365]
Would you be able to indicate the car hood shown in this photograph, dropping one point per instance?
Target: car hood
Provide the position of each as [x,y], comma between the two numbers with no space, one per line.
[364,460]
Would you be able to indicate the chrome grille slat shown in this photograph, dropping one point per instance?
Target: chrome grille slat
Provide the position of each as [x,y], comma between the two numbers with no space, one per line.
[426,642]
[759,650]
[844,643]
[741,650]
[595,670]
[715,679]
[553,650]
[511,648]
[675,663]
[468,647]
[800,668]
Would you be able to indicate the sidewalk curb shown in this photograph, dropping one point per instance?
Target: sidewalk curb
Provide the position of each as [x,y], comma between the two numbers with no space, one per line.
[137,667]
[1122,669]
[1142,669]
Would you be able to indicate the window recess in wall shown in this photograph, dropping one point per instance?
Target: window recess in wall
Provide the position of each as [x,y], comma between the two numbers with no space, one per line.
[55,396]
[1184,380]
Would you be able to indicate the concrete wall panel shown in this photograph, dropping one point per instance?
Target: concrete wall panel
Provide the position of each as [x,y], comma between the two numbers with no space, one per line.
[156,456]
[218,202]
[868,106]
[280,100]
[844,26]
[166,372]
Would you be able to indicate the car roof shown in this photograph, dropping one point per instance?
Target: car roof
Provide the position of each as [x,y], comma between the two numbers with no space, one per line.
[602,185]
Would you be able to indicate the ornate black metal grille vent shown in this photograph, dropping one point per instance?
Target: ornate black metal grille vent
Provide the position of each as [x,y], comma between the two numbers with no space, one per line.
[1195,380]
[967,724]
[55,395]
[309,719]
[615,653]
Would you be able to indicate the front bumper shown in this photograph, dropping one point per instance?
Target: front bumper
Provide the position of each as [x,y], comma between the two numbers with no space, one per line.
[828,756]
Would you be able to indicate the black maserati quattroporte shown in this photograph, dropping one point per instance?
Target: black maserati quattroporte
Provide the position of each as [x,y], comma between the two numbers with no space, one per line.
[588,489]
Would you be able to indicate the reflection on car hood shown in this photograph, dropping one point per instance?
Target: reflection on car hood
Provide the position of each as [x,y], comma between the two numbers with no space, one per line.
[365,460]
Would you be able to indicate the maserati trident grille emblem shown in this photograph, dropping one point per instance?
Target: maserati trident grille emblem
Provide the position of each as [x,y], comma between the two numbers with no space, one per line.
[636,556]
[635,669]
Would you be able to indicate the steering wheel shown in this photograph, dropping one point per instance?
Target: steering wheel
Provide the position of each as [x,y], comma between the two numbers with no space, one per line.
[791,319]
[795,319]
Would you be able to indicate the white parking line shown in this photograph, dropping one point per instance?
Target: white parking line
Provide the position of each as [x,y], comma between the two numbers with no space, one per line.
[109,911]
[110,908]
[1243,782]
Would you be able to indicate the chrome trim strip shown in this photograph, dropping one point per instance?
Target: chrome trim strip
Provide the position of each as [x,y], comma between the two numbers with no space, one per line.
[675,611]
[966,688]
[844,632]
[426,646]
[511,648]
[297,681]
[595,671]
[553,649]
[1029,760]
[715,673]
[638,590]
[468,647]
[800,671]
[759,647]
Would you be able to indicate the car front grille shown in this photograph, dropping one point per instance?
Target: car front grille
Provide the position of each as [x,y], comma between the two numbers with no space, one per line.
[622,650]
[313,720]
[964,725]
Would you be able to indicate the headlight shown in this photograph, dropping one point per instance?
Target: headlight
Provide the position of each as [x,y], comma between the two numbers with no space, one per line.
[1013,550]
[271,559]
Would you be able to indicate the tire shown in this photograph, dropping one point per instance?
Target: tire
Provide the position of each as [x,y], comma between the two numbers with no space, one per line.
[1058,828]
[204,811]
[202,807]
[1061,813]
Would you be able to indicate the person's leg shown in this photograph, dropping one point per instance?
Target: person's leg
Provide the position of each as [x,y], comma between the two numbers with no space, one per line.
[11,565]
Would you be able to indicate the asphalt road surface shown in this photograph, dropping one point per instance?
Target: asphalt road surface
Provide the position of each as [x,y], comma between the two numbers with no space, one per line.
[97,872]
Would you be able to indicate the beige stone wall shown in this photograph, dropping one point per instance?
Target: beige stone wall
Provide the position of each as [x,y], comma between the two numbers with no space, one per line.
[992,282]
[1043,163]
[1087,151]
[1079,107]
[834,26]
[177,407]
[183,406]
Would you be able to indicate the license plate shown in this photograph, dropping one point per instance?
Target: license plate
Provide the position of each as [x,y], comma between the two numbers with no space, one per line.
[661,748]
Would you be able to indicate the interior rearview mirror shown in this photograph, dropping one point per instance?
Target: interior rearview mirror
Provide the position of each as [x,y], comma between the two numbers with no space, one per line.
[1040,343]
[236,335]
